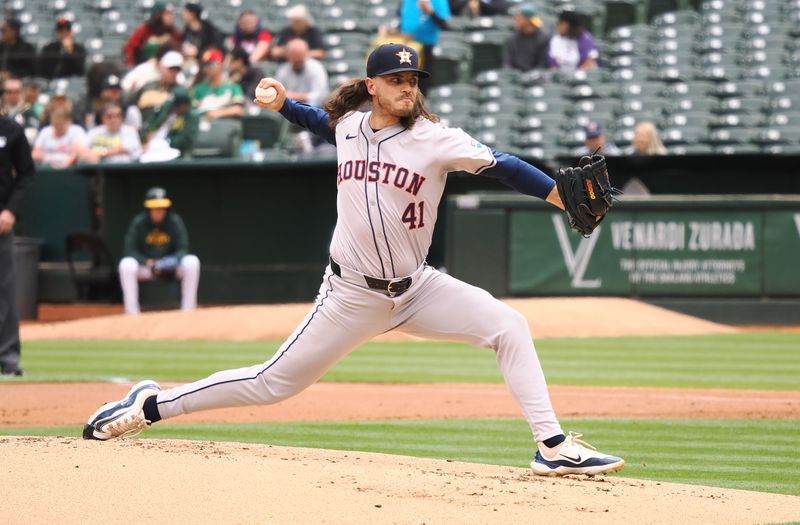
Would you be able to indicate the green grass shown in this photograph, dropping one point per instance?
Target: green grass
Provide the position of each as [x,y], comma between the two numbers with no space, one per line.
[749,361]
[752,455]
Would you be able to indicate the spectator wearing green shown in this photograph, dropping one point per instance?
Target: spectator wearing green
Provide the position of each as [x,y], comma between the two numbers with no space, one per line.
[217,97]
[153,95]
[172,131]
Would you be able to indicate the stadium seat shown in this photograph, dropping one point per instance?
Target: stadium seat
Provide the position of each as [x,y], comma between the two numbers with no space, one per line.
[218,138]
[689,149]
[488,49]
[623,13]
[270,129]
[729,136]
[683,135]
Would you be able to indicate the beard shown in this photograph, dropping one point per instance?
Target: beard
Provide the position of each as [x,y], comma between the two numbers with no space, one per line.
[394,108]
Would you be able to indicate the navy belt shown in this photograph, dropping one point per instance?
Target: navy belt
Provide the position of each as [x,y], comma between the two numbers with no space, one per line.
[393,287]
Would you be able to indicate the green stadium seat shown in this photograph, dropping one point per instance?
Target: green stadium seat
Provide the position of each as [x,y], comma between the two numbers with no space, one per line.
[635,32]
[689,149]
[544,106]
[488,49]
[683,135]
[218,138]
[623,13]
[461,91]
[536,138]
[451,63]
[677,18]
[736,149]
[538,122]
[496,76]
[732,120]
[270,129]
[729,136]
[679,120]
[738,105]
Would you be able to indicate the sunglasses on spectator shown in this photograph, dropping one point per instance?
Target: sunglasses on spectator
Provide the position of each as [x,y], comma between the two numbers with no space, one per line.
[113,115]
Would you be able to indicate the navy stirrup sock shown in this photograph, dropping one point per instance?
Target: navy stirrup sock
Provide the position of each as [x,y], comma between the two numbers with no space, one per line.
[549,443]
[150,409]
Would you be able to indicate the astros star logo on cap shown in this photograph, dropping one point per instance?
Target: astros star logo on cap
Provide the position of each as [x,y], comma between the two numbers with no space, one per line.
[405,56]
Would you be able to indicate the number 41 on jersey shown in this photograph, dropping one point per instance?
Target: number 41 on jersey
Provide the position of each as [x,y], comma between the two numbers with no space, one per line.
[411,215]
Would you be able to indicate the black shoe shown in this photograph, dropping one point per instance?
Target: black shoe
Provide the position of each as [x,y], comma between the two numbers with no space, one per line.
[14,372]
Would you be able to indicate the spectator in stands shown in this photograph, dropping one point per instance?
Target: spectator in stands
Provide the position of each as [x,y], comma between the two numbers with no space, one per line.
[477,8]
[646,140]
[111,93]
[250,36]
[595,142]
[240,70]
[216,96]
[301,25]
[573,46]
[153,95]
[112,141]
[25,111]
[157,246]
[198,34]
[157,30]
[528,45]
[422,20]
[17,57]
[63,57]
[305,78]
[171,131]
[32,116]
[59,99]
[60,144]
[149,70]
[13,103]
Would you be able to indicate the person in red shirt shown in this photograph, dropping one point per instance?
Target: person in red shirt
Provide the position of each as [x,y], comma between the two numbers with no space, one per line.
[158,29]
[250,36]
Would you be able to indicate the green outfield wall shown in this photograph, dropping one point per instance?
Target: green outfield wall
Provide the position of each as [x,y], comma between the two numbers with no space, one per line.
[666,246]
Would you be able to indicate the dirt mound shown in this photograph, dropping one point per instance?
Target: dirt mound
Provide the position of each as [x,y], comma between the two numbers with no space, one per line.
[551,317]
[63,480]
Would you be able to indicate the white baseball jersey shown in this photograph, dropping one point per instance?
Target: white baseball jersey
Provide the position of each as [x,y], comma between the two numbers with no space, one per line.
[390,184]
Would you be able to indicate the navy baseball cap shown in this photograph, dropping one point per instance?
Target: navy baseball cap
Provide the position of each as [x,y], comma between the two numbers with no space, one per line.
[593,130]
[393,58]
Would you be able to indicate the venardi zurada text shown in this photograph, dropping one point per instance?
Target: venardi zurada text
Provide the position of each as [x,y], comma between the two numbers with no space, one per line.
[690,235]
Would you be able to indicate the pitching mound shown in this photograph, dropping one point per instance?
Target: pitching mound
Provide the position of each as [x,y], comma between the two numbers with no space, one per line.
[549,317]
[65,480]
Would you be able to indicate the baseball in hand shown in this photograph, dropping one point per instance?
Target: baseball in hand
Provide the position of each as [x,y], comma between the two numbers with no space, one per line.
[266,95]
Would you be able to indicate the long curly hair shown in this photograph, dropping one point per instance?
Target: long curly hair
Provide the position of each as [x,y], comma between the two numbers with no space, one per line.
[353,94]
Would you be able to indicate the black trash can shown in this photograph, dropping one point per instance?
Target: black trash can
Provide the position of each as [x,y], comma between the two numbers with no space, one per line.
[26,263]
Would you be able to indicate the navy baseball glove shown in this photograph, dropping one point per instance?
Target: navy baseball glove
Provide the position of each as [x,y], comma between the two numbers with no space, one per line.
[586,193]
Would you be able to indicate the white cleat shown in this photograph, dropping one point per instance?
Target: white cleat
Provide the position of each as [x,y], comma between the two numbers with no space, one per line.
[124,418]
[574,456]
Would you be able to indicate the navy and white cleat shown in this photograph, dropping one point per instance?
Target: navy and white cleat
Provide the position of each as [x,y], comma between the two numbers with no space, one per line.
[574,456]
[124,418]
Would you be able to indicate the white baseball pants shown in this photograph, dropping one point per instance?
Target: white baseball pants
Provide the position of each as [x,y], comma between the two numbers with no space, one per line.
[347,315]
[131,272]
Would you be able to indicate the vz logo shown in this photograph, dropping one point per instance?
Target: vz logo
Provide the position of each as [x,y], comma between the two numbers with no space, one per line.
[578,261]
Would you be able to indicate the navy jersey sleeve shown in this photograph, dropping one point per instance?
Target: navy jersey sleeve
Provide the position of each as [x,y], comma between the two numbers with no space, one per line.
[519,175]
[313,119]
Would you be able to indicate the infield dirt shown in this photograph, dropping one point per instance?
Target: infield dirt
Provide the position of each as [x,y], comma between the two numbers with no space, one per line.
[67,480]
